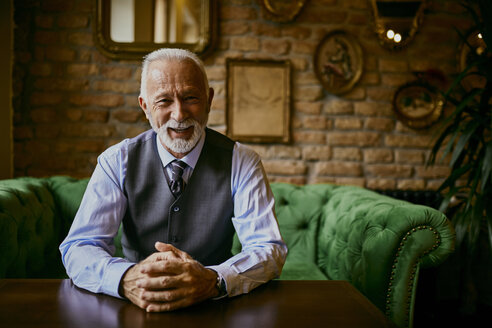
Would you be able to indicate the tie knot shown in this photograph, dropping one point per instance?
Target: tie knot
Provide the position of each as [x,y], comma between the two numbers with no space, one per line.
[177,168]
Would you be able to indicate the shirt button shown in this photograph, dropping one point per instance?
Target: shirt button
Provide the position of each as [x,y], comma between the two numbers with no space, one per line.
[174,238]
[176,209]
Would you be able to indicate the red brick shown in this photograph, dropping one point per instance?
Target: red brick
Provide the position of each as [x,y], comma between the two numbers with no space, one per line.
[339,107]
[348,123]
[127,116]
[43,115]
[316,152]
[380,184]
[234,28]
[284,167]
[389,170]
[285,152]
[410,184]
[379,124]
[338,168]
[237,13]
[378,155]
[287,179]
[81,39]
[245,43]
[88,130]
[73,21]
[275,47]
[308,107]
[125,87]
[60,54]
[103,100]
[309,137]
[353,138]
[46,98]
[296,32]
[414,141]
[117,73]
[314,122]
[95,115]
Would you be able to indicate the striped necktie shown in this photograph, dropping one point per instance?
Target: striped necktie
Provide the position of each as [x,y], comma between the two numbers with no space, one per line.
[177,183]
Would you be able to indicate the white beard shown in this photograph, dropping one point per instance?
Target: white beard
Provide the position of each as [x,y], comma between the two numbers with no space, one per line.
[179,145]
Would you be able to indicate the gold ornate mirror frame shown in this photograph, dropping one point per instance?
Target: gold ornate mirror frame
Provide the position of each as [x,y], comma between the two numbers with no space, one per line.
[397,21]
[282,11]
[206,41]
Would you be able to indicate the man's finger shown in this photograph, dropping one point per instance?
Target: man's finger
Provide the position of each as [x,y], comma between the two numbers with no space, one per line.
[158,282]
[163,247]
[169,306]
[169,267]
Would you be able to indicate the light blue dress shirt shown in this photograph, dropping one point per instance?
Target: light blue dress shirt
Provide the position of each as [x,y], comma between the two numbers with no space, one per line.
[87,251]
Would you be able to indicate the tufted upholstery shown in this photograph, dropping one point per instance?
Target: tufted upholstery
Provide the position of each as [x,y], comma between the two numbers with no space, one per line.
[375,242]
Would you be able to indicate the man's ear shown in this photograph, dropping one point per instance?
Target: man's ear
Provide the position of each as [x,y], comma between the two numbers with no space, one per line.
[210,98]
[143,105]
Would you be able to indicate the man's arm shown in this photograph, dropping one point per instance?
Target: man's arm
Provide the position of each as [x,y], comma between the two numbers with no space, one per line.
[87,251]
[263,250]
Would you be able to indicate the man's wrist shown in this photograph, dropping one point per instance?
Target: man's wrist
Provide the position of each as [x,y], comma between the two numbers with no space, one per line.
[220,285]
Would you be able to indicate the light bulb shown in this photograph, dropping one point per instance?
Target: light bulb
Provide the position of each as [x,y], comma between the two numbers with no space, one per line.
[390,34]
[397,37]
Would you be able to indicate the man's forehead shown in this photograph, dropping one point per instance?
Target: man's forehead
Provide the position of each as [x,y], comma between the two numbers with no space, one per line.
[163,69]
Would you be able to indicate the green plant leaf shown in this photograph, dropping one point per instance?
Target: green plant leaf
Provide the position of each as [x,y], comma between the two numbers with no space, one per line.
[463,140]
[455,175]
[486,168]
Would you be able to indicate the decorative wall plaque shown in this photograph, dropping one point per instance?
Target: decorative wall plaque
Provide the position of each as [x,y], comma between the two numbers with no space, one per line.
[282,11]
[417,104]
[338,62]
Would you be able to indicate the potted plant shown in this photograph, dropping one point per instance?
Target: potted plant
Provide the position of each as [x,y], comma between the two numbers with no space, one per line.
[466,138]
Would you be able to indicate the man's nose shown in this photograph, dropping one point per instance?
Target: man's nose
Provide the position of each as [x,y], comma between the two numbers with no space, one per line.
[178,111]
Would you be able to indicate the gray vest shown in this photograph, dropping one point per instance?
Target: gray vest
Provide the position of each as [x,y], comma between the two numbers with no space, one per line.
[198,222]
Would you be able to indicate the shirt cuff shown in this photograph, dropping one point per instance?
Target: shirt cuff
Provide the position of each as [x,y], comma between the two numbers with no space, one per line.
[227,274]
[112,277]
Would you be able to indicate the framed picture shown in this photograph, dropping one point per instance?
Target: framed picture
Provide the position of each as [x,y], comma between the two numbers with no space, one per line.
[417,105]
[258,100]
[282,11]
[338,62]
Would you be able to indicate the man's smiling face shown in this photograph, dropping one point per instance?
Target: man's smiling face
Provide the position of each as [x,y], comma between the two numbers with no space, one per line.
[176,104]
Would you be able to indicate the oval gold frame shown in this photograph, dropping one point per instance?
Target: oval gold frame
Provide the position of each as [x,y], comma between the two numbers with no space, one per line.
[339,81]
[282,11]
[422,119]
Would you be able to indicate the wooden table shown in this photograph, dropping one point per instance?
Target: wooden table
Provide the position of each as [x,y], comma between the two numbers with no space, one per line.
[58,303]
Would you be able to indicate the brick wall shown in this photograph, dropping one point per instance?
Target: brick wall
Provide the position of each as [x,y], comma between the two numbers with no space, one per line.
[70,102]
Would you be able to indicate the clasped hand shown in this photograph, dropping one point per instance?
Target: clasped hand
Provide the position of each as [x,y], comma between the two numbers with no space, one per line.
[167,280]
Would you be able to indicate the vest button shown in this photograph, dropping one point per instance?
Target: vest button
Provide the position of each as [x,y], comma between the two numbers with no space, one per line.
[174,238]
[176,209]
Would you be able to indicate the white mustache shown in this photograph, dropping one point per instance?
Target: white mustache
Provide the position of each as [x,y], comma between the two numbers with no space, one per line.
[173,124]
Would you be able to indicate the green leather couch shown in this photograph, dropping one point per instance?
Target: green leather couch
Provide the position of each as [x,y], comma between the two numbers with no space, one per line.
[375,242]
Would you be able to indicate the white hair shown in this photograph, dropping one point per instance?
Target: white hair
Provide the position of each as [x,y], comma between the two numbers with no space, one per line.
[170,54]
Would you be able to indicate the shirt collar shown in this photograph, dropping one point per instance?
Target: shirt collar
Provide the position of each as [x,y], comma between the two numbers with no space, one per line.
[190,159]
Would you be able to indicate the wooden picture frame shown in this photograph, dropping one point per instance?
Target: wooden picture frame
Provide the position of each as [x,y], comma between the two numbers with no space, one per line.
[258,100]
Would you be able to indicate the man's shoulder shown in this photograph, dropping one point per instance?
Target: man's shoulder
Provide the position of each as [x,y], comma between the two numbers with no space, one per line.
[218,139]
[125,145]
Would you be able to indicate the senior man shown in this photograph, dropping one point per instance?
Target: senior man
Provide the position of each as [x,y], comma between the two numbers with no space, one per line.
[180,190]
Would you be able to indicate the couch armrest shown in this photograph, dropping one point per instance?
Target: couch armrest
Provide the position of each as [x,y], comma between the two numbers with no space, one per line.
[379,243]
[29,230]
